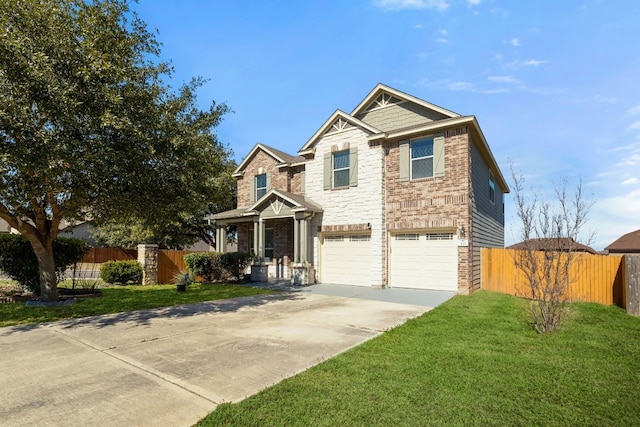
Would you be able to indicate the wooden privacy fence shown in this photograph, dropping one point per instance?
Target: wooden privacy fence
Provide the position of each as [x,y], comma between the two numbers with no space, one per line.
[169,263]
[100,255]
[598,278]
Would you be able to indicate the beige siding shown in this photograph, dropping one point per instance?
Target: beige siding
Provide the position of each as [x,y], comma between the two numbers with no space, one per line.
[398,116]
[487,226]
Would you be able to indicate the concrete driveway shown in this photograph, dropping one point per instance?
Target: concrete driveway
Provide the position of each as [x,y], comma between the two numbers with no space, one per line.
[173,366]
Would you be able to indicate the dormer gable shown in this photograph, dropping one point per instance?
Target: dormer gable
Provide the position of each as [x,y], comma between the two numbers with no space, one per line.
[384,96]
[282,159]
[339,121]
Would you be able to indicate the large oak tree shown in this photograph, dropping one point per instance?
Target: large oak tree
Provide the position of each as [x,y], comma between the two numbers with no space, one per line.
[90,127]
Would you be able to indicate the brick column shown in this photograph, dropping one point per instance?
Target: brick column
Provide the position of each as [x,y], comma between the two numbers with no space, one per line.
[148,257]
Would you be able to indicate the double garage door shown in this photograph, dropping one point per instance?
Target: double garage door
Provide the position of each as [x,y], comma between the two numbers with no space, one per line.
[423,261]
[346,259]
[416,260]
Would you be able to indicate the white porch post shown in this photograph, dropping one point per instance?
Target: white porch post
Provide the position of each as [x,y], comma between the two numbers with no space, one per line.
[296,240]
[261,238]
[255,237]
[304,238]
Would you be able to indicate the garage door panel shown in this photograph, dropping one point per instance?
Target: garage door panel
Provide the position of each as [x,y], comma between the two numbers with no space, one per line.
[346,259]
[424,261]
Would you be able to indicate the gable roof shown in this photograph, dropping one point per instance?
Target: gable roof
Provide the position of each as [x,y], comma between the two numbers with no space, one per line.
[553,244]
[630,242]
[380,88]
[283,158]
[338,114]
[299,202]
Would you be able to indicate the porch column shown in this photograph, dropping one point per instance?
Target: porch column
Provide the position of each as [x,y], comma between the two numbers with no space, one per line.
[304,240]
[255,237]
[221,238]
[296,241]
[261,238]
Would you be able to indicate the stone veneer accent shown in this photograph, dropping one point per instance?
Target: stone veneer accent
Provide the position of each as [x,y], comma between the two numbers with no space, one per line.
[345,207]
[148,257]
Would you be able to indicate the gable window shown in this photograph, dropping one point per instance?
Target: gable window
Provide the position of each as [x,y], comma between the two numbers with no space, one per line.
[422,158]
[492,187]
[261,185]
[341,169]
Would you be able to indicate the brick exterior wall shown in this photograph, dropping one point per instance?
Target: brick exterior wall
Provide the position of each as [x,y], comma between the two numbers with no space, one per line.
[280,178]
[433,203]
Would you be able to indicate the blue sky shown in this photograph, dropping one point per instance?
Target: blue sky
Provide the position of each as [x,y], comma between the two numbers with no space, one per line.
[554,85]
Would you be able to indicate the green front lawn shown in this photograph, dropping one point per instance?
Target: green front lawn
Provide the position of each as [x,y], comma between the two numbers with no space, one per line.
[124,298]
[473,361]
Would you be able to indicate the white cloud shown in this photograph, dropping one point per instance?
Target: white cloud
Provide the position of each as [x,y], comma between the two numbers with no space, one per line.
[457,86]
[513,42]
[630,181]
[634,111]
[439,5]
[633,126]
[442,40]
[503,79]
[631,160]
[473,2]
[529,63]
[418,26]
[614,216]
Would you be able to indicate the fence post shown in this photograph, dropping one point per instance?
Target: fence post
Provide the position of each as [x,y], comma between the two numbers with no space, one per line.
[148,257]
[632,284]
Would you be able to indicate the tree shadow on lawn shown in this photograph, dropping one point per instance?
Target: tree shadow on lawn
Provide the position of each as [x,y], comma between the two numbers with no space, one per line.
[146,316]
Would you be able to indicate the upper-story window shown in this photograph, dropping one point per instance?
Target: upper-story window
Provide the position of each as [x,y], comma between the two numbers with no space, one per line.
[261,185]
[341,169]
[422,158]
[492,187]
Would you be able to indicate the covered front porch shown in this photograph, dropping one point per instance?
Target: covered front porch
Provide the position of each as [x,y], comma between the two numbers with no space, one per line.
[276,230]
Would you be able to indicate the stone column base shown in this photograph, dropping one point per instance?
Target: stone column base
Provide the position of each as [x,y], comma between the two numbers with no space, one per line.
[260,273]
[302,275]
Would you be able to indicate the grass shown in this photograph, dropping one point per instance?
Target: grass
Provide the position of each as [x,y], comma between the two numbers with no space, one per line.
[473,361]
[121,299]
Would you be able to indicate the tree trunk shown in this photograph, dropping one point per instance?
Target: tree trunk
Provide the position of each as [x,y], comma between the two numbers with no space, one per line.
[47,269]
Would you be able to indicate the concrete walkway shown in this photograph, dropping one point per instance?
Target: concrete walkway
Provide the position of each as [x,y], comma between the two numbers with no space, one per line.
[172,366]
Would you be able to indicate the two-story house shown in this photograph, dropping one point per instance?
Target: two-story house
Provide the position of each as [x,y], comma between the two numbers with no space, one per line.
[397,193]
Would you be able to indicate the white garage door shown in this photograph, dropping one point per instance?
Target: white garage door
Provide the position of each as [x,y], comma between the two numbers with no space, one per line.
[424,261]
[346,259]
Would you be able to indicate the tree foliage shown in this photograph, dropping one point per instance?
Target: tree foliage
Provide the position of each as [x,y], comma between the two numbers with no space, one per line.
[18,260]
[184,229]
[550,234]
[89,127]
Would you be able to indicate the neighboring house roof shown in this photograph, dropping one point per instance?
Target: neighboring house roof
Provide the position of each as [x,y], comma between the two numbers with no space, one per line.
[553,244]
[629,243]
[283,158]
[401,95]
[338,114]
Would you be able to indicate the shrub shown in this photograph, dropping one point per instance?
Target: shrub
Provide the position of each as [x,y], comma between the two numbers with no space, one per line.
[19,262]
[204,264]
[235,263]
[123,272]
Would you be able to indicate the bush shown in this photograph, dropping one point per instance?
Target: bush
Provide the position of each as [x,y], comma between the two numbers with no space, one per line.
[123,272]
[235,263]
[204,264]
[19,262]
